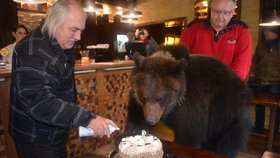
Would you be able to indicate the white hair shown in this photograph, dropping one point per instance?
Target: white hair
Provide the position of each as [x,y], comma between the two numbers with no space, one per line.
[233,1]
[57,15]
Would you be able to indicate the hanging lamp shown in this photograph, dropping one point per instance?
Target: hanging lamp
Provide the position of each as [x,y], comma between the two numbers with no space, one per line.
[274,20]
[31,1]
[91,6]
[129,20]
[131,13]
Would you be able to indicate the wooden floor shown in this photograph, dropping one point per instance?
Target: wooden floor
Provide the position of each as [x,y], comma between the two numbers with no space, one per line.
[257,143]
[257,146]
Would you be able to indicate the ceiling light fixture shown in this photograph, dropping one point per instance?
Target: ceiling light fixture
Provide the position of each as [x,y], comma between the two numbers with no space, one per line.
[31,1]
[274,20]
[93,7]
[129,20]
[131,13]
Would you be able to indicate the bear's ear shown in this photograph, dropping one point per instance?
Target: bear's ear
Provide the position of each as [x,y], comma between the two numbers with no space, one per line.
[180,65]
[138,59]
[177,51]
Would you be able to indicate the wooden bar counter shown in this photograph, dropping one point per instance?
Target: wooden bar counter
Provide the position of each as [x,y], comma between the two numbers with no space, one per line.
[101,87]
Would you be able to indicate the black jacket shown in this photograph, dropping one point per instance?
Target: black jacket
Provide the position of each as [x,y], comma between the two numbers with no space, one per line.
[43,96]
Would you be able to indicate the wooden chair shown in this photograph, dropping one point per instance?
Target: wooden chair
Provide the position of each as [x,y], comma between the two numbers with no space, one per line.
[272,101]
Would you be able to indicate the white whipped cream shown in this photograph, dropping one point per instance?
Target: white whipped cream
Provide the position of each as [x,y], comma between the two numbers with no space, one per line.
[137,144]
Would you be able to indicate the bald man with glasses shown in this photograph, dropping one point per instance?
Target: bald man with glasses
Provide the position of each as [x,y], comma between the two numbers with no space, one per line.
[221,37]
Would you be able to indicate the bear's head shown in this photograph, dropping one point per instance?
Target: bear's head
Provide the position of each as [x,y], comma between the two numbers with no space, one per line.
[159,83]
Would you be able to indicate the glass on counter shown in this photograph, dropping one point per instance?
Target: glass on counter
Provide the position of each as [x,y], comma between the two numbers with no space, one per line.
[84,56]
[4,53]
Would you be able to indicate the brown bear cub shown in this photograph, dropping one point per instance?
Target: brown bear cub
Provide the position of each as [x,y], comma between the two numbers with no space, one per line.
[199,97]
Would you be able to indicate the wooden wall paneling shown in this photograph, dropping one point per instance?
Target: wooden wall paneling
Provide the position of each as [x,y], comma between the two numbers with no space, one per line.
[104,92]
[117,87]
[4,104]
[87,96]
[116,92]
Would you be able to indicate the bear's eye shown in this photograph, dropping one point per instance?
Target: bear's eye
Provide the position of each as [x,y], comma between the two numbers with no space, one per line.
[159,100]
[144,99]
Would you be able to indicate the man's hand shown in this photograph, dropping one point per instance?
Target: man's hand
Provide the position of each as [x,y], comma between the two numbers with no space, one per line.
[100,125]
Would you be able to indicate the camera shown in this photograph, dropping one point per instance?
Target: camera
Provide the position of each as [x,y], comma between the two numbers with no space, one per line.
[141,32]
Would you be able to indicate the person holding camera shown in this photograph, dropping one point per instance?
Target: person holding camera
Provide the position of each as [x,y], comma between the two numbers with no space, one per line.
[143,35]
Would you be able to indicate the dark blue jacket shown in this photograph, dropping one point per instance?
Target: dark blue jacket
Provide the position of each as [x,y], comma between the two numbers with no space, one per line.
[43,96]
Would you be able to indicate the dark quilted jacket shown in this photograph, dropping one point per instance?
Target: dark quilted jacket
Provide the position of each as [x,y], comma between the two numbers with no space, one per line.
[265,69]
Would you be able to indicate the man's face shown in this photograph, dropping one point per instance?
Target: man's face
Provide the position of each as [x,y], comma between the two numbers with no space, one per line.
[71,30]
[221,13]
[269,35]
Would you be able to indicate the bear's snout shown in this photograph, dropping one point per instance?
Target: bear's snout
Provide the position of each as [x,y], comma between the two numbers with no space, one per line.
[152,113]
[151,122]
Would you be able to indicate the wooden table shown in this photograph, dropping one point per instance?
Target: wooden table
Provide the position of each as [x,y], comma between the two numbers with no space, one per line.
[271,101]
[181,151]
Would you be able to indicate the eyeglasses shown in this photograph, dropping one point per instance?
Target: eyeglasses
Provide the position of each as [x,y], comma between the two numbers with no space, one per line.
[218,12]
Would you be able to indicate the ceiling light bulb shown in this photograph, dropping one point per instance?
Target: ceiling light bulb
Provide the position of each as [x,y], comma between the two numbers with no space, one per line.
[129,20]
[90,8]
[106,10]
[119,12]
[132,14]
[31,1]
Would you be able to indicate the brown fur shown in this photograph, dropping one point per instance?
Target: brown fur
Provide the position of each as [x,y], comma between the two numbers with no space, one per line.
[199,97]
[153,83]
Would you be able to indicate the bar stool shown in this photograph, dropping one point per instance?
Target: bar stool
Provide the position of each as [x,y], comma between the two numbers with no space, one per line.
[273,102]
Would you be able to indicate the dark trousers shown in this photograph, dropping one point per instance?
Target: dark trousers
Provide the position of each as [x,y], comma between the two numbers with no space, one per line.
[260,118]
[44,150]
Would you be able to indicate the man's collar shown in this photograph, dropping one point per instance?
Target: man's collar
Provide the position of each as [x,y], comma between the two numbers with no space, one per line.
[207,23]
[53,41]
